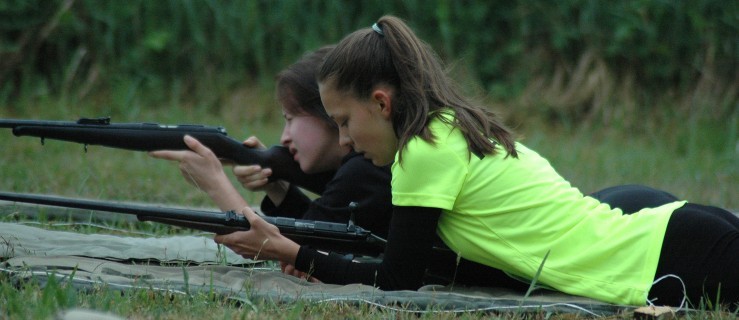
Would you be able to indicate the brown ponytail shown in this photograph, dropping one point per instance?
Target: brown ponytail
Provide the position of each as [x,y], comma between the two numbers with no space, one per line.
[390,53]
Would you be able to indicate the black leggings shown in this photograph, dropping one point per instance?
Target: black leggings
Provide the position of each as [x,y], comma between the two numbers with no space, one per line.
[701,247]
[631,198]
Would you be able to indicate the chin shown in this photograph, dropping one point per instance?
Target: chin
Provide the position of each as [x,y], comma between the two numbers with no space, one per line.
[381,163]
[311,168]
[308,169]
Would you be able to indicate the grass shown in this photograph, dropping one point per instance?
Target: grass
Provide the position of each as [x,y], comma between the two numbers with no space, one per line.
[593,159]
[33,301]
[696,160]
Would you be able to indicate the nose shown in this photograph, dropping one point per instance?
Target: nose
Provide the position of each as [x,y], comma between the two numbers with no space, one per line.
[285,138]
[345,140]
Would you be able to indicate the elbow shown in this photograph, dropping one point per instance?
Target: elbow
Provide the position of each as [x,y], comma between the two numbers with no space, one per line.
[411,279]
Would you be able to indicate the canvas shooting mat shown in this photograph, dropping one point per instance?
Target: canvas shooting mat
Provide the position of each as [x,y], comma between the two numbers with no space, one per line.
[192,264]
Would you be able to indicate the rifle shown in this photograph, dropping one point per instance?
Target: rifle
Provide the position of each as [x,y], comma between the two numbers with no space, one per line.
[154,136]
[328,236]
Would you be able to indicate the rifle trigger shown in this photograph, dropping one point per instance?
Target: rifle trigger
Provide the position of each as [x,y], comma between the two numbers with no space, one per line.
[352,206]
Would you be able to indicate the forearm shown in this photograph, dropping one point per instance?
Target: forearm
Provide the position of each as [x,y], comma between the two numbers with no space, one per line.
[408,251]
[283,249]
[225,195]
[204,170]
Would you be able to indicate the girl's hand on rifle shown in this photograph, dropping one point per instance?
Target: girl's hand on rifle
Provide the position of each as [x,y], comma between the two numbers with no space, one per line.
[252,177]
[255,178]
[262,241]
[199,166]
[203,169]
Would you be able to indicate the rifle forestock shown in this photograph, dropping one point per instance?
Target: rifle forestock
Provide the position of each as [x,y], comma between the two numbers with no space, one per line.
[153,136]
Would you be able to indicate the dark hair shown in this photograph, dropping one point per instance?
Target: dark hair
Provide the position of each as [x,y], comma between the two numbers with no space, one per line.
[393,55]
[297,84]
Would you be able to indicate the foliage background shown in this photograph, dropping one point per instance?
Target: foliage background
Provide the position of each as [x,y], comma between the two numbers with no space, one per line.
[189,48]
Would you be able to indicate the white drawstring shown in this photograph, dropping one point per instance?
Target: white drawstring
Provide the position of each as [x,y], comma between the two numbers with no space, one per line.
[685,295]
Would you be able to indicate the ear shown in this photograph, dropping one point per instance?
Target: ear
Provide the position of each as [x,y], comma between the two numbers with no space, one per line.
[382,96]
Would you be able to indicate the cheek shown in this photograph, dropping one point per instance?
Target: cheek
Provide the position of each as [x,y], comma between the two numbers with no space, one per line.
[364,131]
[311,133]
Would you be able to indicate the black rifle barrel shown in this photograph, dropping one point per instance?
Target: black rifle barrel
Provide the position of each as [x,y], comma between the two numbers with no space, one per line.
[331,236]
[139,210]
[154,136]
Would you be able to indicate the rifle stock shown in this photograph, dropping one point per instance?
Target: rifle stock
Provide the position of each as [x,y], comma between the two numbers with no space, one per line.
[328,236]
[153,136]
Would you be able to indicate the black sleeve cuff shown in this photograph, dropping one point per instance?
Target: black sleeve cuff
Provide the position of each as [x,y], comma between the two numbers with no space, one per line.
[293,206]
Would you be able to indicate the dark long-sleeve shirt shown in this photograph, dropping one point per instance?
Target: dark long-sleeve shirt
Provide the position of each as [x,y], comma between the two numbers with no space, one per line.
[356,180]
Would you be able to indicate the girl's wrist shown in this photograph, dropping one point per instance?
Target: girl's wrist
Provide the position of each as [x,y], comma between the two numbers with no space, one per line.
[227,197]
[289,252]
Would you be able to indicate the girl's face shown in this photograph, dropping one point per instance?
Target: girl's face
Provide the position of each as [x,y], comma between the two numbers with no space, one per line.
[364,125]
[313,143]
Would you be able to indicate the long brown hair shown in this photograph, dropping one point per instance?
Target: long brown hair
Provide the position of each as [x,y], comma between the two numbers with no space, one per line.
[390,53]
[297,84]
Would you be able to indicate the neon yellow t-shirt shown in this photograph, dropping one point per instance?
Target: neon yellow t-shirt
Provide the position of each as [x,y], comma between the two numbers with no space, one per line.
[509,212]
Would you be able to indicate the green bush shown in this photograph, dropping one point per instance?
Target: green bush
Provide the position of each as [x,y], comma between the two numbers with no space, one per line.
[193,48]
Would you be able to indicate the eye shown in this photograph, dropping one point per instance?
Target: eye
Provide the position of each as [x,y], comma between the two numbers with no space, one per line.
[340,121]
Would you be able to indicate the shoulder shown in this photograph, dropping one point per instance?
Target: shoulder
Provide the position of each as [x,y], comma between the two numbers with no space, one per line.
[358,180]
[355,166]
[448,142]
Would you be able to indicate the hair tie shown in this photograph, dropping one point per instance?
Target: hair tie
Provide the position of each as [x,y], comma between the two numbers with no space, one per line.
[377,29]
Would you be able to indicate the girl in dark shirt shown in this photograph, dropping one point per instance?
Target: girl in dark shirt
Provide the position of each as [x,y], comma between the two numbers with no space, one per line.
[312,138]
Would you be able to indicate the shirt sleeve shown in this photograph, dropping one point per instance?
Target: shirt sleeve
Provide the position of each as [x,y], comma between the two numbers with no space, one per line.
[406,257]
[429,175]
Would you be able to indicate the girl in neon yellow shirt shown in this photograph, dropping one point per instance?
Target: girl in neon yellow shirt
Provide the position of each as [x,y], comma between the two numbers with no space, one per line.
[458,173]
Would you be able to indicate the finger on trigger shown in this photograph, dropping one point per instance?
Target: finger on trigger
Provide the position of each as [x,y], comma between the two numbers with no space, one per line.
[194,144]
